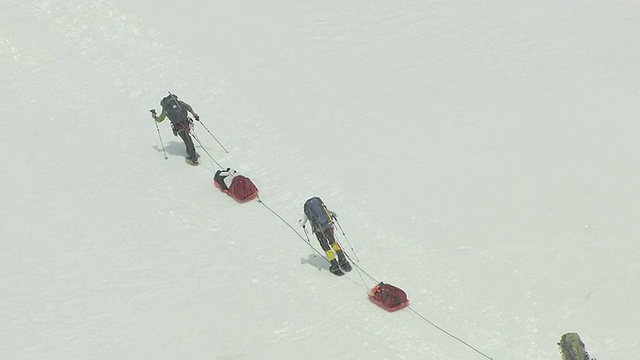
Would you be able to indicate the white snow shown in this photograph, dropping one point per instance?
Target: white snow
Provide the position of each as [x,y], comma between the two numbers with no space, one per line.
[482,156]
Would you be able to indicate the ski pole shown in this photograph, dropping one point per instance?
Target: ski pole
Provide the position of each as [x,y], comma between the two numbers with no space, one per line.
[346,238]
[205,150]
[223,148]
[153,111]
[309,241]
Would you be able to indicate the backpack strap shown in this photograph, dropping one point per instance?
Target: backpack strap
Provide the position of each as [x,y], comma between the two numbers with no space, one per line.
[328,213]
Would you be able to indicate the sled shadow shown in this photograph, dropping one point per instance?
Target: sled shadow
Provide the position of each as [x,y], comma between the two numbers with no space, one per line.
[315,261]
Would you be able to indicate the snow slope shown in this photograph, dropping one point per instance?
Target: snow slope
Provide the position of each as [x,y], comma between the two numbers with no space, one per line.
[481,156]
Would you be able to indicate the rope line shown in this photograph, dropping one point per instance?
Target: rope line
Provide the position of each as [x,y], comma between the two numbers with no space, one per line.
[376,281]
[348,242]
[448,333]
[192,132]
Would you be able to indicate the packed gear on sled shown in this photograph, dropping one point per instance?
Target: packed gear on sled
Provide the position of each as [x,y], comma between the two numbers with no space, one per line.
[321,219]
[237,186]
[572,347]
[224,177]
[177,112]
[388,297]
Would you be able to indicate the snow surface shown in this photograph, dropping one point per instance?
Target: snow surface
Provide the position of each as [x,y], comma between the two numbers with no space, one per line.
[480,155]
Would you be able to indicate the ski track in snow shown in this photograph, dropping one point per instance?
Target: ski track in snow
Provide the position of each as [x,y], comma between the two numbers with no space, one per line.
[479,157]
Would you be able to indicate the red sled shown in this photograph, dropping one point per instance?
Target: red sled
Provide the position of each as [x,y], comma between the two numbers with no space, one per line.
[388,297]
[240,188]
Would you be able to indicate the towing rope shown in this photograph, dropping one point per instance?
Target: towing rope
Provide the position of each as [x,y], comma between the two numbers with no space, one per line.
[359,269]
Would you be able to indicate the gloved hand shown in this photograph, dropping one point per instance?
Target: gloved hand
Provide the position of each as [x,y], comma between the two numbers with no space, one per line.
[196,116]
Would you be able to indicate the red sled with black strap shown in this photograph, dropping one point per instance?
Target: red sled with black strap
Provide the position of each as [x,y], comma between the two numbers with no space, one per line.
[239,187]
[388,297]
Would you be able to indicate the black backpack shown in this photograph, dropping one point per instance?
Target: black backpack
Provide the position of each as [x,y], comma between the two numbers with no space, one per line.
[317,213]
[176,112]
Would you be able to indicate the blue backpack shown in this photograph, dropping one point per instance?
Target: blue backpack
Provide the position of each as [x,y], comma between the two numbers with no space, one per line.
[317,213]
[176,112]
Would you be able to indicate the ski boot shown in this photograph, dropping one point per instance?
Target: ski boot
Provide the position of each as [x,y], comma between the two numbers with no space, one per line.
[344,265]
[335,268]
[192,161]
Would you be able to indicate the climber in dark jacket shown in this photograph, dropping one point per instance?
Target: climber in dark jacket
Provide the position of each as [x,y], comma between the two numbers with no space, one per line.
[321,220]
[176,110]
